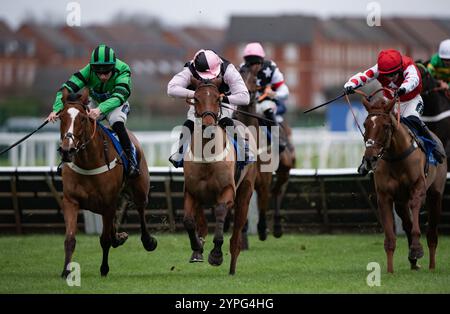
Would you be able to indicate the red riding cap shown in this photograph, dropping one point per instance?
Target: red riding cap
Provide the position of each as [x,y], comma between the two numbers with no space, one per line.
[389,61]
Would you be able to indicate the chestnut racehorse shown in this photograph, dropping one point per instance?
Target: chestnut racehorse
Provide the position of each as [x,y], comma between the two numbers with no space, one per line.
[93,178]
[400,179]
[214,182]
[264,179]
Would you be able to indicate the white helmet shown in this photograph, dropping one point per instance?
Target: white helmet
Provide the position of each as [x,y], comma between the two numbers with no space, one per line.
[444,49]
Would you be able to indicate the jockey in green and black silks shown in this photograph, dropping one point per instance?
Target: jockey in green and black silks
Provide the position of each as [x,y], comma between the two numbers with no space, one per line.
[109,83]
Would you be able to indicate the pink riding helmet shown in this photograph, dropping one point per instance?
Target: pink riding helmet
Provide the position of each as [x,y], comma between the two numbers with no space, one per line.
[254,49]
[207,64]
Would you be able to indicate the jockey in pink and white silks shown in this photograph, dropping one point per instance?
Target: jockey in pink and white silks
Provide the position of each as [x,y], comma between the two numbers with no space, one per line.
[271,82]
[207,65]
[400,74]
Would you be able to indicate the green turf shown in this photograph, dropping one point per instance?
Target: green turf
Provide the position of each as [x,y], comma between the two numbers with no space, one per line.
[293,264]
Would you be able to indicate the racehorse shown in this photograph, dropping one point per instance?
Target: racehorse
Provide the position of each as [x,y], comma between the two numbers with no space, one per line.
[436,112]
[264,179]
[214,182]
[401,179]
[93,178]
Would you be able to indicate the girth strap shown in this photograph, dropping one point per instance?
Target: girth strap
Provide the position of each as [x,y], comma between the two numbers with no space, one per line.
[403,155]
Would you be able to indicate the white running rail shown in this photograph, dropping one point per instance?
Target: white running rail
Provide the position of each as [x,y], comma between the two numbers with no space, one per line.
[315,148]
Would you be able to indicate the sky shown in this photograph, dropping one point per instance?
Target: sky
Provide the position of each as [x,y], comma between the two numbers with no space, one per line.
[202,12]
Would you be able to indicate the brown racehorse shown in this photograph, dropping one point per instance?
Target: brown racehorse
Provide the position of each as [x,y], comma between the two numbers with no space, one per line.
[214,182]
[436,108]
[264,178]
[93,178]
[400,179]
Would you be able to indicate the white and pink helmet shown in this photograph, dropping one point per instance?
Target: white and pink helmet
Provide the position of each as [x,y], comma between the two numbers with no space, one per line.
[254,49]
[207,64]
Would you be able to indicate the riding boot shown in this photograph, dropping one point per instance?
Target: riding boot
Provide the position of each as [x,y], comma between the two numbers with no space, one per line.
[133,168]
[228,122]
[269,114]
[438,151]
[177,158]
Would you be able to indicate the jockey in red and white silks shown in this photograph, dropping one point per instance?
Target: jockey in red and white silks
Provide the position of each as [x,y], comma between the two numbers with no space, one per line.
[400,74]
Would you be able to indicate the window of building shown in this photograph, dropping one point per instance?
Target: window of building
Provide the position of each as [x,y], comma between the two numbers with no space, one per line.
[269,50]
[291,52]
[291,76]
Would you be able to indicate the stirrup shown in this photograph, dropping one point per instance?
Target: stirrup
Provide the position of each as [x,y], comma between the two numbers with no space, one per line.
[176,163]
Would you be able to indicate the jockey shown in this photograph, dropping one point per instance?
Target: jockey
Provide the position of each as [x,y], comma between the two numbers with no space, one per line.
[439,65]
[401,74]
[270,81]
[109,82]
[207,65]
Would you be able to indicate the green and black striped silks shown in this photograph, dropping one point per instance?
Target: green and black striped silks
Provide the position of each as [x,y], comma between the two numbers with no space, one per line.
[103,55]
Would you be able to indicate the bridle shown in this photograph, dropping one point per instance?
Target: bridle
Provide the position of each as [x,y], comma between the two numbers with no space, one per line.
[386,142]
[214,115]
[75,139]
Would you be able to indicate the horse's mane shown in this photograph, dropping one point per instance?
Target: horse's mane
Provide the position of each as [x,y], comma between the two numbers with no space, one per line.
[73,97]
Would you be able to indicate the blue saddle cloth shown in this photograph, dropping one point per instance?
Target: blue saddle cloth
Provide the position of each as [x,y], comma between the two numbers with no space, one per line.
[427,144]
[115,140]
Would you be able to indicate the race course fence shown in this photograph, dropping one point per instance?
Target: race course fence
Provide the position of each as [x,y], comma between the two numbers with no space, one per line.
[323,200]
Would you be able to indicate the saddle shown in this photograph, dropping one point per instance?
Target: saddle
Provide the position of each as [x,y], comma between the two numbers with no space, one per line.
[426,145]
[116,143]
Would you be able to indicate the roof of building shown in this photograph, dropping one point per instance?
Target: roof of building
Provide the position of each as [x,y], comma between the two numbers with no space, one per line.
[274,29]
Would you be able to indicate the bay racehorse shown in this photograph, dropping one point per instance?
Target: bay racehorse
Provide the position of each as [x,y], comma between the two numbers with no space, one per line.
[264,185]
[213,180]
[436,111]
[93,178]
[401,179]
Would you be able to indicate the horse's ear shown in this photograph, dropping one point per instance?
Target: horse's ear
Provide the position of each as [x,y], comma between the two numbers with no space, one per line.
[366,103]
[390,104]
[195,82]
[65,94]
[85,96]
[217,81]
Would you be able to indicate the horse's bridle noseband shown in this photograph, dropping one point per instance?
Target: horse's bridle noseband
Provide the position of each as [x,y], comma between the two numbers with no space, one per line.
[70,135]
[386,141]
[216,116]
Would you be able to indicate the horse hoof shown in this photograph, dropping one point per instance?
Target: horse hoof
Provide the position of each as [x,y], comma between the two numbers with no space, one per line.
[215,259]
[415,252]
[415,267]
[277,231]
[104,270]
[196,257]
[65,273]
[262,235]
[120,239]
[150,243]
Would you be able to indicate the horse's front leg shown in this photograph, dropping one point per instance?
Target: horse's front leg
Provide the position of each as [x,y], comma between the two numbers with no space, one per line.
[416,200]
[264,181]
[385,202]
[106,241]
[70,217]
[225,202]
[190,206]
[278,192]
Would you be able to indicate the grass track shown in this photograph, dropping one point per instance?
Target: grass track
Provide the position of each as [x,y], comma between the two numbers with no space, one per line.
[293,264]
